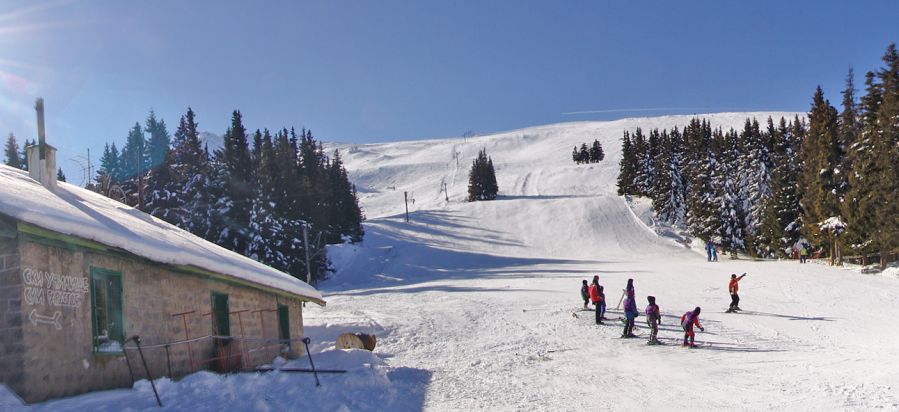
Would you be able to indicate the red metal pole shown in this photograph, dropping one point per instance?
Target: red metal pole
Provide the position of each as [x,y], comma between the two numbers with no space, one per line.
[190,354]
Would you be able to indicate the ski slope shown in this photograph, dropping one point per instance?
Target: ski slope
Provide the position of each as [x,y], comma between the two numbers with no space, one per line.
[484,296]
[476,305]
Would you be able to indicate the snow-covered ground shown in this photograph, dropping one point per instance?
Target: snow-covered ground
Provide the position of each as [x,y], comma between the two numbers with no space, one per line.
[476,305]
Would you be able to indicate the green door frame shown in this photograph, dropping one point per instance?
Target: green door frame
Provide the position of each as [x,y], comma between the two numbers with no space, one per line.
[221,318]
[284,324]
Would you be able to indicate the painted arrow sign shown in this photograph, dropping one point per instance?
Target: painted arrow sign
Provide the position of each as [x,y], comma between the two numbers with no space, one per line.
[49,320]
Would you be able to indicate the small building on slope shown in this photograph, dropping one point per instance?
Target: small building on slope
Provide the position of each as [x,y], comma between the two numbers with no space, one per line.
[80,274]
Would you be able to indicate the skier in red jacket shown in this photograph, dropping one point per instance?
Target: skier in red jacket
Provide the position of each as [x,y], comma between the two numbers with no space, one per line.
[687,321]
[733,287]
[596,297]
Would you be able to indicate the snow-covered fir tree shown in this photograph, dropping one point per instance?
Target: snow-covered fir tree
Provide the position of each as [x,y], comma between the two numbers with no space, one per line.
[276,188]
[482,179]
[668,192]
[763,190]
[13,158]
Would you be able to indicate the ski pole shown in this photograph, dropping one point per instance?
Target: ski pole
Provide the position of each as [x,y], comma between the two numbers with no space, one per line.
[136,340]
[314,372]
[623,292]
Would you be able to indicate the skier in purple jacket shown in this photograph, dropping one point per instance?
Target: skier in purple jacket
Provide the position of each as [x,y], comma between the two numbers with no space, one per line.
[630,310]
[653,320]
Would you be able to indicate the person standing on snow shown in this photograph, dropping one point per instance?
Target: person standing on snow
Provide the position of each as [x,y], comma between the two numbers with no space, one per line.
[733,287]
[708,250]
[803,254]
[630,310]
[653,320]
[687,321]
[714,253]
[585,293]
[594,296]
[602,304]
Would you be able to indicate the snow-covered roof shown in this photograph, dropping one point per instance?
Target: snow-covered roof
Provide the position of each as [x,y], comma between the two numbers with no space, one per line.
[78,212]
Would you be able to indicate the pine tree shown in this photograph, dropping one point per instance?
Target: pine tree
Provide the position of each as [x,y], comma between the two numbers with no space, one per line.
[596,153]
[755,153]
[237,180]
[60,176]
[482,179]
[584,154]
[348,217]
[23,159]
[12,153]
[133,166]
[820,156]
[627,173]
[732,229]
[780,224]
[190,171]
[856,205]
[159,144]
[848,134]
[109,172]
[703,181]
[886,152]
[668,196]
[266,234]
[161,196]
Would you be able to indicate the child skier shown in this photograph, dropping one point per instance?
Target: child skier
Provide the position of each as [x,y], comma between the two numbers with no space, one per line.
[733,287]
[594,296]
[630,311]
[687,321]
[585,293]
[653,320]
[602,304]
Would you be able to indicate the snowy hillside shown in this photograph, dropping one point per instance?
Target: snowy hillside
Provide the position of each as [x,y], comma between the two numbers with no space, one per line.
[476,306]
[484,296]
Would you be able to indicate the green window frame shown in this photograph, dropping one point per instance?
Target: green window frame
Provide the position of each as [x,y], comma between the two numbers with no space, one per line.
[107,312]
[284,325]
[221,318]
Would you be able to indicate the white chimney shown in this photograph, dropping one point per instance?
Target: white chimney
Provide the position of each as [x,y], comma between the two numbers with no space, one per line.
[41,157]
[42,170]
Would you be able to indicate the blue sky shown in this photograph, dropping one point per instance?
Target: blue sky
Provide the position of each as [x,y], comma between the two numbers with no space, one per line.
[370,71]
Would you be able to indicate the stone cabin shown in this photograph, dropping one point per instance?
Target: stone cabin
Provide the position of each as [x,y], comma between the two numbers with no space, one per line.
[80,274]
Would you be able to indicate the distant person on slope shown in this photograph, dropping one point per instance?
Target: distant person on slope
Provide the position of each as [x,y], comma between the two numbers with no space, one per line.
[803,254]
[714,253]
[653,320]
[733,287]
[630,310]
[708,250]
[687,321]
[585,293]
[594,296]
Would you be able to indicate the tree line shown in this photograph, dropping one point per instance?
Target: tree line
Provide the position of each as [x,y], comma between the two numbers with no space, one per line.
[584,154]
[760,190]
[253,196]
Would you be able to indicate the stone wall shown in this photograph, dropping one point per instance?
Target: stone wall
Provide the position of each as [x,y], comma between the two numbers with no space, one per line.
[12,348]
[60,359]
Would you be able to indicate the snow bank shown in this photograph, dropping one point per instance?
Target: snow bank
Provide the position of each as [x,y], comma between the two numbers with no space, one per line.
[79,212]
[368,385]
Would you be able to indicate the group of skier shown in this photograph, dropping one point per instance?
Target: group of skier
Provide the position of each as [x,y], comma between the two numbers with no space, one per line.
[594,293]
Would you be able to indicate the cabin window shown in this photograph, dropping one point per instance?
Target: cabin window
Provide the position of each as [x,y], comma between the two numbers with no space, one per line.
[284,326]
[221,322]
[107,311]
